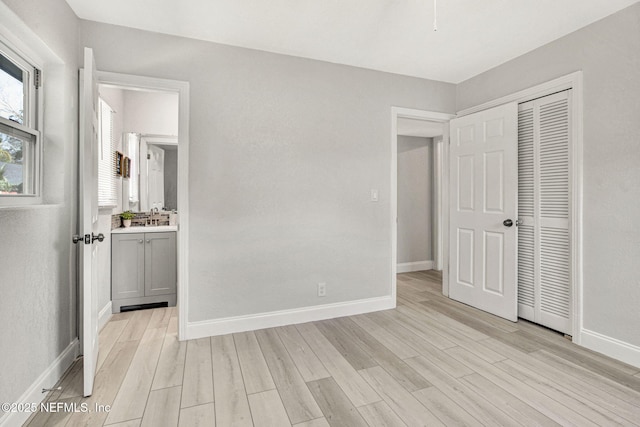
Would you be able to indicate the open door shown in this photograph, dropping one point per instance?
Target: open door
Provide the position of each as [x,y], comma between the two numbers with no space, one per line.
[155,178]
[483,177]
[88,236]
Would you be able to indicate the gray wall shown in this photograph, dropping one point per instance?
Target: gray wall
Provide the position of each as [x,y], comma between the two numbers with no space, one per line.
[171,179]
[283,154]
[154,113]
[415,199]
[37,261]
[608,53]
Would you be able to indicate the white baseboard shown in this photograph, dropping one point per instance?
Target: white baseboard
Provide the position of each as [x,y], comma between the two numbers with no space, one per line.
[612,347]
[408,267]
[208,328]
[46,380]
[104,315]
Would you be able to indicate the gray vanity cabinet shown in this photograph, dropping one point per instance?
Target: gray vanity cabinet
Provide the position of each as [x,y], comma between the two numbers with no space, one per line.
[159,263]
[127,266]
[143,269]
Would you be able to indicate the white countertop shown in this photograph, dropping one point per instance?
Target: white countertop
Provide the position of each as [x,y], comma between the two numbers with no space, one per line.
[148,229]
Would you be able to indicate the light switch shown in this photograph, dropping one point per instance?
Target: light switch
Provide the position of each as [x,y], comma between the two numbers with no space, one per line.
[374,195]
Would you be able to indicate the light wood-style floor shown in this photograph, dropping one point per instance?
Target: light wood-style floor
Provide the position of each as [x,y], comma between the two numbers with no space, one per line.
[430,362]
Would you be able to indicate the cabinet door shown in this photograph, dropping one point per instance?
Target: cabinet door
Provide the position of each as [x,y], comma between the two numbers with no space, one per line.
[160,263]
[127,266]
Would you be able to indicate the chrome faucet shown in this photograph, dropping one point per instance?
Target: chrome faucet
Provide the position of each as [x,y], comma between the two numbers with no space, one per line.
[153,216]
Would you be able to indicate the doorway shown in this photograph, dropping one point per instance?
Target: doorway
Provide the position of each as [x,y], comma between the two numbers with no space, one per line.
[417,153]
[167,132]
[415,194]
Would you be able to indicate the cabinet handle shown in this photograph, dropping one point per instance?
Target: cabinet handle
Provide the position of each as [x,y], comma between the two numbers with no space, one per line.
[148,240]
[139,241]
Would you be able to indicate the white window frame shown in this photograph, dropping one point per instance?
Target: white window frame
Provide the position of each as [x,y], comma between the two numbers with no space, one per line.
[32,123]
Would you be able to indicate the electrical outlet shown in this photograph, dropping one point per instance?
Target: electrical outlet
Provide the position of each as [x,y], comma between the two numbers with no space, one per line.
[322,289]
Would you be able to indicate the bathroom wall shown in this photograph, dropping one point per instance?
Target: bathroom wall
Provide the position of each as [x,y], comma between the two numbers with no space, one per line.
[171,178]
[153,113]
[115,98]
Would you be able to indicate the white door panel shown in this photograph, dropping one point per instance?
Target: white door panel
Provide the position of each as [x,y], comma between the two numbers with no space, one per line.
[88,221]
[543,181]
[155,167]
[483,194]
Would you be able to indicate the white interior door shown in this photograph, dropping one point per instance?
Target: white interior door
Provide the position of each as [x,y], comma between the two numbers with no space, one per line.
[88,221]
[155,167]
[483,177]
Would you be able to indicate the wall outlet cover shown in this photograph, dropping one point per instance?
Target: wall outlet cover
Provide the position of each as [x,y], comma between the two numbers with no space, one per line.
[322,289]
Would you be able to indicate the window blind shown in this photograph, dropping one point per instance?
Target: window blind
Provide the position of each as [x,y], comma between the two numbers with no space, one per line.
[107,180]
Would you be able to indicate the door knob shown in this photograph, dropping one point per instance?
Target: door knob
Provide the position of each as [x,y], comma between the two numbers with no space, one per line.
[507,223]
[77,238]
[99,237]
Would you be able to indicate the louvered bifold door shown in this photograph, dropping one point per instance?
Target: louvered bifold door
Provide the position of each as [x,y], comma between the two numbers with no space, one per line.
[544,281]
[526,208]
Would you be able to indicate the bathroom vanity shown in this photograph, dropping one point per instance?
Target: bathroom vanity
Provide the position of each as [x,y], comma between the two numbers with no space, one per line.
[143,266]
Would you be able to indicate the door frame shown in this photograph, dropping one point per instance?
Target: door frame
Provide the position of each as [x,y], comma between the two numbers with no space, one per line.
[574,82]
[440,174]
[182,89]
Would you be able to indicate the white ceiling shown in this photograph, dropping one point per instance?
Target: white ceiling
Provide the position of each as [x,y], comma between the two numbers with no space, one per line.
[411,127]
[387,35]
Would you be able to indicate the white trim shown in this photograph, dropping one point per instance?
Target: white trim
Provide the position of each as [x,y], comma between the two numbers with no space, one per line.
[21,39]
[574,82]
[561,83]
[444,209]
[439,216]
[160,139]
[576,188]
[183,210]
[612,347]
[18,35]
[47,379]
[251,322]
[182,88]
[104,316]
[409,267]
[438,147]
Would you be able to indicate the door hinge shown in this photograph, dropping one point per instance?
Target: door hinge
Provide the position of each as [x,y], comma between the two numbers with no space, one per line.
[37,78]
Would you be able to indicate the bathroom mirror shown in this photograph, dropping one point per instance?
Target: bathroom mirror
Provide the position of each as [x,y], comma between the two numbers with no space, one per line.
[153,181]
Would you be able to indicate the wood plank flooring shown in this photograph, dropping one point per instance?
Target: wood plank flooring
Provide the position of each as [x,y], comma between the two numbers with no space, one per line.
[431,361]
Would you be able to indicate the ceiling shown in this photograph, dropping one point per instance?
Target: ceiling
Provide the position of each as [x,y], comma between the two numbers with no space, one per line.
[411,127]
[388,35]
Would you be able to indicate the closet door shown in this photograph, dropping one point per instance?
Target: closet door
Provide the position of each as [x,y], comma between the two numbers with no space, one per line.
[544,282]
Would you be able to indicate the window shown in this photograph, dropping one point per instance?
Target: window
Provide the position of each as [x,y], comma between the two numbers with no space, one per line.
[107,189]
[19,137]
